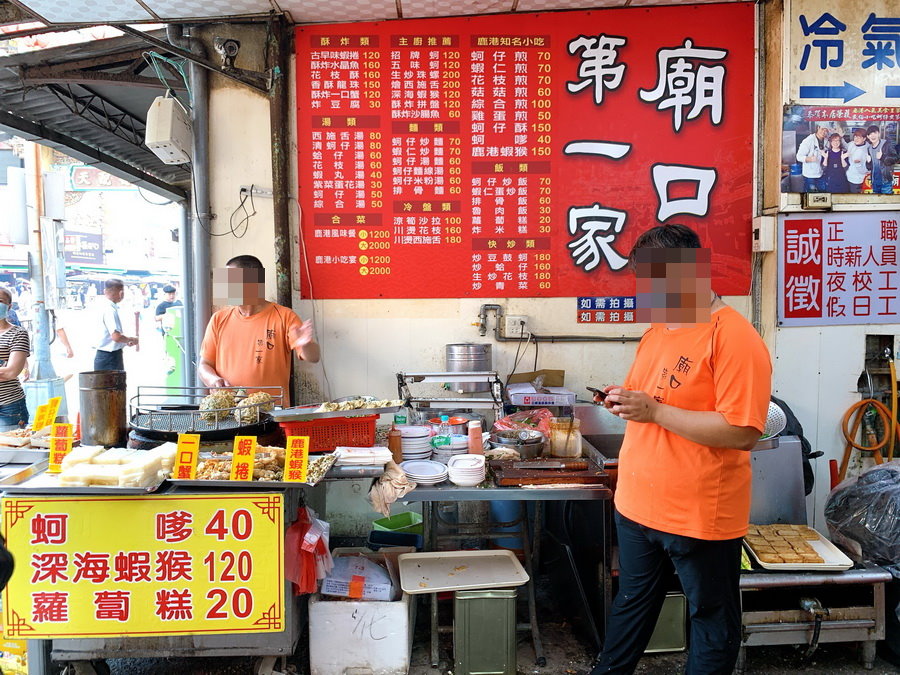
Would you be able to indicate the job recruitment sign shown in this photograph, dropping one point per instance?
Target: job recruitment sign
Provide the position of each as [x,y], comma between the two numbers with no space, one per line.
[521,155]
[164,565]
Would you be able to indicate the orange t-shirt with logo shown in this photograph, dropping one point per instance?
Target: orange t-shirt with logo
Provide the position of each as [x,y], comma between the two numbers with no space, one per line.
[667,482]
[251,351]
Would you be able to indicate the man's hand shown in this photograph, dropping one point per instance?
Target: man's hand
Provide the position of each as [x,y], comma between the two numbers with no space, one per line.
[219,383]
[634,406]
[132,342]
[302,336]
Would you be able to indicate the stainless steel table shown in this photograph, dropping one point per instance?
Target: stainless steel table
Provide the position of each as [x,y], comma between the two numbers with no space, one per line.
[430,496]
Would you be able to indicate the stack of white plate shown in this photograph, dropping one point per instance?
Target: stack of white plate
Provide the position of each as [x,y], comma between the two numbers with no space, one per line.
[425,472]
[459,445]
[466,470]
[415,442]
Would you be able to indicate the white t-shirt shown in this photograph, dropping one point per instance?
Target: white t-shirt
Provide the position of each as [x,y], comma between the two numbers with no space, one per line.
[108,322]
[856,170]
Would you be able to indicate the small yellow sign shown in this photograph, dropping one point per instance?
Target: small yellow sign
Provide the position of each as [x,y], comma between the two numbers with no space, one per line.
[53,409]
[186,457]
[41,417]
[242,458]
[93,567]
[60,446]
[296,459]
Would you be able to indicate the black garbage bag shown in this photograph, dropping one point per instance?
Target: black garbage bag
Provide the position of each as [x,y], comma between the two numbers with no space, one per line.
[863,515]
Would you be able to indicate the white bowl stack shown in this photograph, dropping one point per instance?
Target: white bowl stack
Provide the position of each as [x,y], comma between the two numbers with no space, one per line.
[459,445]
[415,442]
[466,470]
[425,471]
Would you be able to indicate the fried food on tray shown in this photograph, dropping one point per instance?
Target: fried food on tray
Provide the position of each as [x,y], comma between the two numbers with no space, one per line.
[359,404]
[783,543]
[251,407]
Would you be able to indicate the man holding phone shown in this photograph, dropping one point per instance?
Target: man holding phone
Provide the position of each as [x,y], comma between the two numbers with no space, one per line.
[695,401]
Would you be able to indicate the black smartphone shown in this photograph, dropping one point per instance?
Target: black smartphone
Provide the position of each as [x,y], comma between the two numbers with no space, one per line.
[599,392]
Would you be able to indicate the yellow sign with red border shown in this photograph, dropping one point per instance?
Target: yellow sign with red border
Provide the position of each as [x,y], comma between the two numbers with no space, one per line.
[296,459]
[91,566]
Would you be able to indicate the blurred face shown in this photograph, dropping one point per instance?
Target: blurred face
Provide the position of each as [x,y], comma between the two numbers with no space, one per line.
[859,140]
[821,133]
[238,286]
[170,296]
[835,143]
[874,137]
[115,294]
[673,285]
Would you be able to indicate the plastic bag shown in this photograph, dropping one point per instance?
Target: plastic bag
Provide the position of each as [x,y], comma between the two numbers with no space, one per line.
[863,515]
[306,555]
[538,418]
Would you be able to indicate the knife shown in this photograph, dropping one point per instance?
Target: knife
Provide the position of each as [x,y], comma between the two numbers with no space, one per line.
[578,465]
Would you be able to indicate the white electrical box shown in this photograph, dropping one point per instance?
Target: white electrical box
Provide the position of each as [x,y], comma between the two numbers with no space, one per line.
[764,233]
[169,134]
[514,326]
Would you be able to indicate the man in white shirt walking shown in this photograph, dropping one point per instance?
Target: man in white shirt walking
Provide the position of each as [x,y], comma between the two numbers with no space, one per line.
[110,339]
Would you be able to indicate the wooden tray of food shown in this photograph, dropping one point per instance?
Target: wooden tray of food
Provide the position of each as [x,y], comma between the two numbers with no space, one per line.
[582,471]
[798,548]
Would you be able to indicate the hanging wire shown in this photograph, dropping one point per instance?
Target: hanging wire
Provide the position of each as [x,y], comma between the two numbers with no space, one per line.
[155,61]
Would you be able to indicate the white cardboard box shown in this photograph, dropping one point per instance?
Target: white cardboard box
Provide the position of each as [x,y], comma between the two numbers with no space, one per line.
[523,393]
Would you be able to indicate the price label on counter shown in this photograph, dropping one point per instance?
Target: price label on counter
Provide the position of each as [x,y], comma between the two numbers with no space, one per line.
[41,417]
[242,458]
[186,456]
[53,409]
[60,446]
[296,459]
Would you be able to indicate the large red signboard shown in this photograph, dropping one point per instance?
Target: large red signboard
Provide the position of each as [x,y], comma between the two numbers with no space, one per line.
[521,155]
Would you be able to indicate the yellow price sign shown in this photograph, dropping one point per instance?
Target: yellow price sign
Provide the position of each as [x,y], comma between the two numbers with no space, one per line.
[296,459]
[60,446]
[183,565]
[53,409]
[186,456]
[242,458]
[41,417]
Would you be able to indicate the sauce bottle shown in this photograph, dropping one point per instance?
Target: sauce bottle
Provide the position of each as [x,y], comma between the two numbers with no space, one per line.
[395,444]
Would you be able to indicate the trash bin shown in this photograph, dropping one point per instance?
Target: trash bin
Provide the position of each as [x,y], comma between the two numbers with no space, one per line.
[484,632]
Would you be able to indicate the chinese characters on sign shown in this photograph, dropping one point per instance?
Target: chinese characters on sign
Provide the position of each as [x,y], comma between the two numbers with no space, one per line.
[838,269]
[606,310]
[183,565]
[521,156]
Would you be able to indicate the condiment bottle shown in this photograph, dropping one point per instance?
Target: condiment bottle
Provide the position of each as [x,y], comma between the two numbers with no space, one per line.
[395,444]
[476,440]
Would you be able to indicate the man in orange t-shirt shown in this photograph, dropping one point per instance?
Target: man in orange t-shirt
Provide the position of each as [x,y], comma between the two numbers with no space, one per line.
[695,401]
[250,344]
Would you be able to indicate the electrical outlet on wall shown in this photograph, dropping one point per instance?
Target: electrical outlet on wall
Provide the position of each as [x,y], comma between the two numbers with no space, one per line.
[515,326]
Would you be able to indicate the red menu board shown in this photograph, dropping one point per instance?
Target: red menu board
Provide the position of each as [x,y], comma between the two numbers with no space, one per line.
[522,155]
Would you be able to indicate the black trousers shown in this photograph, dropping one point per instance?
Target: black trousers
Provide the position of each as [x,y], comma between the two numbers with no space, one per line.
[109,360]
[709,573]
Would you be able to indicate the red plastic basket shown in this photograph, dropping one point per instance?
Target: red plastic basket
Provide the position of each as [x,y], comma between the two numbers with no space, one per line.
[328,433]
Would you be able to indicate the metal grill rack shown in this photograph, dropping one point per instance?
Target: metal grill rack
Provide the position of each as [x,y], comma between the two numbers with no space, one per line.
[495,401]
[176,410]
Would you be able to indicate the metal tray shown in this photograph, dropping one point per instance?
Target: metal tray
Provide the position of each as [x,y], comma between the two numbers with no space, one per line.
[22,455]
[250,484]
[459,571]
[47,483]
[834,559]
[304,413]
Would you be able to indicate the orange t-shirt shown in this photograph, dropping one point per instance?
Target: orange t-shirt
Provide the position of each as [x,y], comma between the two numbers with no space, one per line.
[251,351]
[667,482]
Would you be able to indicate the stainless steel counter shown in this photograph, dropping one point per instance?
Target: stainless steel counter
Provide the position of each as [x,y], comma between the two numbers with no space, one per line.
[454,493]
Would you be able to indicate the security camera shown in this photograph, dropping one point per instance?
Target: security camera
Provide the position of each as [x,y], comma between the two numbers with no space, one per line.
[228,49]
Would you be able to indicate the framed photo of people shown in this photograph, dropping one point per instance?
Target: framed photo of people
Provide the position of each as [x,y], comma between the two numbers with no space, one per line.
[840,149]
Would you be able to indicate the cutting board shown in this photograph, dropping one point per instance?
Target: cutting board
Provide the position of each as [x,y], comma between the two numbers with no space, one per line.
[507,476]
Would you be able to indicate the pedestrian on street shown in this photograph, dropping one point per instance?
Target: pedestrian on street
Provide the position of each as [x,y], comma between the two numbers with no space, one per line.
[111,340]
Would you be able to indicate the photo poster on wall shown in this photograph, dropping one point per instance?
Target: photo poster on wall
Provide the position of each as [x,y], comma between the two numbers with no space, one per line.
[838,268]
[522,155]
[840,149]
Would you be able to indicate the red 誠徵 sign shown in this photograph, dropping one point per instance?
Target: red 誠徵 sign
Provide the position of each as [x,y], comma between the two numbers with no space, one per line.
[521,155]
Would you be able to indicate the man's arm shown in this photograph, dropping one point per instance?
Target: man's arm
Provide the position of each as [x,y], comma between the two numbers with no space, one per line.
[708,428]
[116,336]
[208,375]
[64,339]
[302,342]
